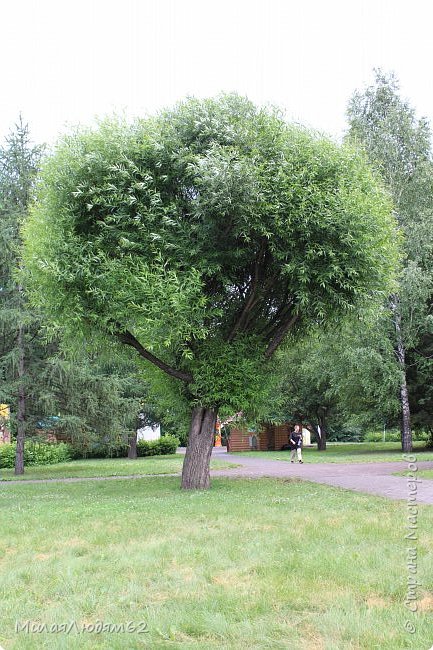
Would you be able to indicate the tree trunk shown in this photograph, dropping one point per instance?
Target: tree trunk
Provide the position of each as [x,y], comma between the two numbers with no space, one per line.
[321,433]
[21,429]
[195,472]
[132,449]
[406,432]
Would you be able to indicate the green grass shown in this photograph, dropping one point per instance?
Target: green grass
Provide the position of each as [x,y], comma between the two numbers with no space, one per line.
[261,564]
[360,452]
[420,473]
[425,473]
[169,464]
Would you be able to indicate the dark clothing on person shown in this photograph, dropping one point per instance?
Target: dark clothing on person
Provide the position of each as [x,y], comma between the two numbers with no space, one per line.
[297,440]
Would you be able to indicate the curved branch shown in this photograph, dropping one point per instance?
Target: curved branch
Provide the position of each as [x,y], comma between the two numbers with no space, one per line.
[279,335]
[283,311]
[252,297]
[129,339]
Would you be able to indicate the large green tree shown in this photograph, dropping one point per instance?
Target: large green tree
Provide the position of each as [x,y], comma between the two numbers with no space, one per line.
[20,351]
[201,238]
[399,145]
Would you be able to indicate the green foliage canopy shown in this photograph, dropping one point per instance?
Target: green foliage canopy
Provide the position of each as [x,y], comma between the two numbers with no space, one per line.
[203,236]
[398,144]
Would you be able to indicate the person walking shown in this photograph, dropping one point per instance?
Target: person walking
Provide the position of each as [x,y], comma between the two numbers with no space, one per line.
[296,444]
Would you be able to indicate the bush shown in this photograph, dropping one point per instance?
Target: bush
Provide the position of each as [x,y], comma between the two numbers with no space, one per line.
[182,436]
[100,450]
[373,436]
[343,434]
[7,455]
[177,430]
[165,445]
[394,436]
[46,454]
[36,453]
[377,436]
[421,435]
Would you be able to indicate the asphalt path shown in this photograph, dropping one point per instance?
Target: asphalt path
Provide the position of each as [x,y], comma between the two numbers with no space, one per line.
[371,478]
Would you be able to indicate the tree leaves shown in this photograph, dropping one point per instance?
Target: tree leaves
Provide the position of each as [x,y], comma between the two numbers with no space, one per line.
[208,232]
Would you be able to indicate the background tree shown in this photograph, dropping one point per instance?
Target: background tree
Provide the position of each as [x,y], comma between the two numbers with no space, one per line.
[399,145]
[20,352]
[365,374]
[201,238]
[308,389]
[343,377]
[97,397]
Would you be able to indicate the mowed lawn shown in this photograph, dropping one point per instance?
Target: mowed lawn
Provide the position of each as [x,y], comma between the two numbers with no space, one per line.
[425,473]
[420,473]
[355,452]
[249,564]
[169,464]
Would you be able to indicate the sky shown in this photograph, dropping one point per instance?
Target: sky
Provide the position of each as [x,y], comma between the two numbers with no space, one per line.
[65,62]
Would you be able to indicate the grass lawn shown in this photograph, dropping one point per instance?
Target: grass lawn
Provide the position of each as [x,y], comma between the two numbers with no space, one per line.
[425,473]
[169,464]
[260,564]
[358,452]
[421,473]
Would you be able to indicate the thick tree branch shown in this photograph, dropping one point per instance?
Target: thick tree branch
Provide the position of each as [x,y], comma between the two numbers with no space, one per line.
[252,297]
[284,310]
[129,339]
[279,335]
[250,301]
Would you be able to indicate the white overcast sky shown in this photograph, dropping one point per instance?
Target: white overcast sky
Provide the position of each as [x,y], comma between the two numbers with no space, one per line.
[64,62]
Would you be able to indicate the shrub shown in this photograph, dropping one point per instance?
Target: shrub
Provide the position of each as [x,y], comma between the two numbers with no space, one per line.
[421,435]
[344,434]
[182,436]
[168,444]
[36,453]
[100,450]
[165,445]
[394,436]
[7,455]
[373,436]
[377,436]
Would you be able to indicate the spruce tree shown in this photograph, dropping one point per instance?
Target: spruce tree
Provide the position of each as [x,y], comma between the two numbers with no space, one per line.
[19,348]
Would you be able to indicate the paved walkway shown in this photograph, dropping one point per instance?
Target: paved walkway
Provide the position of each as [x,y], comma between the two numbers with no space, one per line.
[371,478]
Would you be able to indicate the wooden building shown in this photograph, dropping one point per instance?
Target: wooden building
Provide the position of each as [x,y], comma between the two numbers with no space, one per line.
[270,437]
